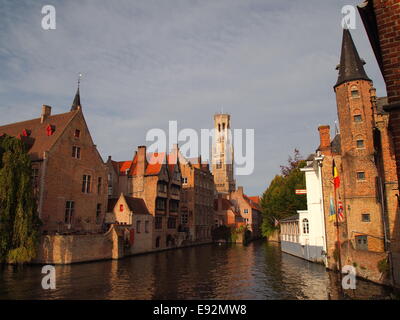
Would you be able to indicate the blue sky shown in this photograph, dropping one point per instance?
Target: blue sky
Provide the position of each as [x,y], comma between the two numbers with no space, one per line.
[269,63]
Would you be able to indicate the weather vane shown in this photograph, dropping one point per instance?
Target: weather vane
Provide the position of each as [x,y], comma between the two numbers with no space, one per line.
[79,79]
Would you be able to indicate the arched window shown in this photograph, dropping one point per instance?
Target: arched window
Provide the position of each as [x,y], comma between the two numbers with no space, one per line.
[306,226]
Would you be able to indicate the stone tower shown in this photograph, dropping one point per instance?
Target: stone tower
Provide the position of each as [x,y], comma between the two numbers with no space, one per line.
[359,172]
[222,164]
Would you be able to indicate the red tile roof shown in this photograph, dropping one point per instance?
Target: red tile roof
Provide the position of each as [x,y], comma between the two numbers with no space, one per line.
[39,141]
[253,204]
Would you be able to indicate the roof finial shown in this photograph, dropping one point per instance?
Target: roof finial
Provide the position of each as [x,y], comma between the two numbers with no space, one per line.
[79,79]
[76,104]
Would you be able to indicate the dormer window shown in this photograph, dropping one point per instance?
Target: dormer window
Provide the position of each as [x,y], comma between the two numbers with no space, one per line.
[50,130]
[77,133]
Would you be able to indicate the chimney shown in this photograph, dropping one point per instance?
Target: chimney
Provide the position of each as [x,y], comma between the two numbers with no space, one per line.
[46,112]
[325,138]
[141,160]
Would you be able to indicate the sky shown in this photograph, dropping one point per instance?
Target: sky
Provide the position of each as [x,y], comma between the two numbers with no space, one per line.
[270,64]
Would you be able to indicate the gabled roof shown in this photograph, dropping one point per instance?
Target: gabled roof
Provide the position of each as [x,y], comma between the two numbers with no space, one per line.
[253,204]
[38,139]
[136,205]
[351,66]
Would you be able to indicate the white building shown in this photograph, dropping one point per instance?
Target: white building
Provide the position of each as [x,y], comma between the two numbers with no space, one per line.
[303,235]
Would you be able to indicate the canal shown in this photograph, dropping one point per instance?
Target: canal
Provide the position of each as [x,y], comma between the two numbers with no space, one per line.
[257,271]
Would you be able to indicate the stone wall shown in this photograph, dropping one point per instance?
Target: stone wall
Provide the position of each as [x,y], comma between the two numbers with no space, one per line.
[66,249]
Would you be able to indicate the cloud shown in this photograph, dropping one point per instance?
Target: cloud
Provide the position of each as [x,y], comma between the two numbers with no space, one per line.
[270,64]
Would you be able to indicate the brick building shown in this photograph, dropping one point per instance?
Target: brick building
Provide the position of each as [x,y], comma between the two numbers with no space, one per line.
[381,21]
[132,213]
[155,178]
[69,175]
[363,155]
[197,198]
[249,209]
[227,213]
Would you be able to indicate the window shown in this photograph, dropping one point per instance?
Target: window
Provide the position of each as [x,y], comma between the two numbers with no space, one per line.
[77,133]
[184,180]
[171,223]
[246,210]
[69,212]
[86,183]
[35,179]
[160,204]
[162,187]
[354,92]
[357,118]
[110,190]
[173,206]
[99,183]
[361,242]
[360,144]
[219,165]
[360,175]
[146,227]
[76,152]
[98,213]
[138,223]
[365,217]
[158,223]
[306,226]
[184,218]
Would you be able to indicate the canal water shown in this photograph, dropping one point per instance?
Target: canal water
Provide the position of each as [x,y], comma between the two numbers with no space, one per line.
[257,271]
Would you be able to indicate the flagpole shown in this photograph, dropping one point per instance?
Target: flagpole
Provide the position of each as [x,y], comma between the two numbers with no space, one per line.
[338,236]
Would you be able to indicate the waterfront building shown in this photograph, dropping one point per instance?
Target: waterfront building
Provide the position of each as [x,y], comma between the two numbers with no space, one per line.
[249,209]
[69,175]
[133,214]
[379,18]
[155,178]
[363,154]
[227,213]
[303,234]
[222,161]
[197,198]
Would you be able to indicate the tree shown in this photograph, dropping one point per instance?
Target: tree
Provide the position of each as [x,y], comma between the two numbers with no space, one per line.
[19,224]
[280,200]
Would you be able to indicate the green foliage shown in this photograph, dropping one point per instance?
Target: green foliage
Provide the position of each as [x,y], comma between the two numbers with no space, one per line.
[280,201]
[383,265]
[19,224]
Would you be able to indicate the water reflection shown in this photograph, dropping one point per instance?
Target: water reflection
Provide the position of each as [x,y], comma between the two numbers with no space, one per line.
[257,271]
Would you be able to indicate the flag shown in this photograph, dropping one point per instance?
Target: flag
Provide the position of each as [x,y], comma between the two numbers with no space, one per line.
[332,210]
[340,211]
[335,174]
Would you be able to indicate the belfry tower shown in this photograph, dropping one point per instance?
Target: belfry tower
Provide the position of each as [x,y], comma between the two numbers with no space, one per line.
[222,164]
